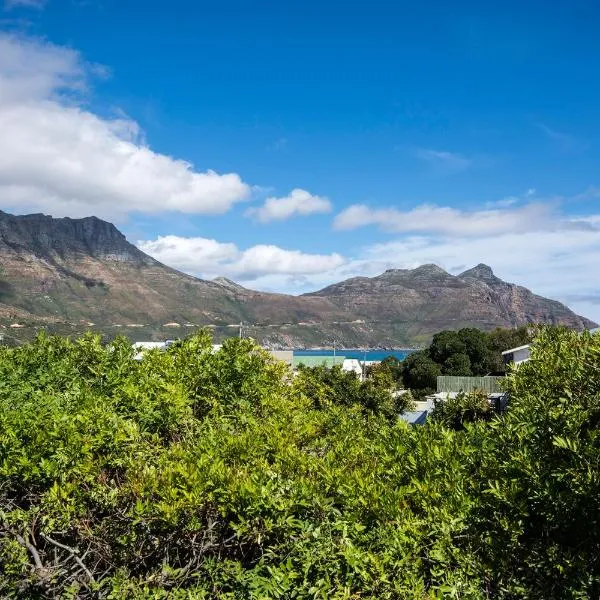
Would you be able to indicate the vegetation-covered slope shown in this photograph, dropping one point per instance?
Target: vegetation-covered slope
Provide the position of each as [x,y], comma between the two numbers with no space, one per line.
[193,474]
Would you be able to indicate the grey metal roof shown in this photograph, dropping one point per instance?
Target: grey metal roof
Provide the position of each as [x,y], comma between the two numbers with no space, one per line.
[415,417]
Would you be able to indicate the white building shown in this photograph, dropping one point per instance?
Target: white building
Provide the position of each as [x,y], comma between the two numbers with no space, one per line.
[141,347]
[516,355]
[352,365]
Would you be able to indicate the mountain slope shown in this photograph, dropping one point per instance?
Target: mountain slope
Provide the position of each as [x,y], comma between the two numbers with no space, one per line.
[85,270]
[74,272]
[427,299]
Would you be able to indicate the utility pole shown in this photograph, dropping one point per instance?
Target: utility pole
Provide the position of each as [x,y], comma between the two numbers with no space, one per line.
[241,324]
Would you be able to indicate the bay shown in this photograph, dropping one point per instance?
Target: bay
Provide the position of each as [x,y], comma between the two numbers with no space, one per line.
[360,354]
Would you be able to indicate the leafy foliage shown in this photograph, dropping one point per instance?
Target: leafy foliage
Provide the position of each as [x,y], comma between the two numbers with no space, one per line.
[464,408]
[200,474]
[421,372]
[466,352]
[328,386]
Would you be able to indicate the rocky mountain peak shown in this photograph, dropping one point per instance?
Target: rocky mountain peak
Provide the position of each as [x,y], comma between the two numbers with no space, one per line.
[481,271]
[429,269]
[423,270]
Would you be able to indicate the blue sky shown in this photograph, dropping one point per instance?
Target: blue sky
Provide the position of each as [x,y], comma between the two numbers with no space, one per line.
[288,145]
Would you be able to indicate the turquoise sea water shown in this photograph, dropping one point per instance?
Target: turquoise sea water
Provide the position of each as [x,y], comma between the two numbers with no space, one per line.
[356,353]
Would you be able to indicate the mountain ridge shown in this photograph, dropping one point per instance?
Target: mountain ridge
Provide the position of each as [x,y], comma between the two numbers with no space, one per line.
[75,271]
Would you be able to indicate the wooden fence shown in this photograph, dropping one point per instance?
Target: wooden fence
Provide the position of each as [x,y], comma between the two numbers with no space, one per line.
[449,383]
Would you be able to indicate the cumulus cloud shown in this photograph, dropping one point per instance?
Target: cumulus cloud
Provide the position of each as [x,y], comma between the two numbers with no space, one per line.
[297,203]
[451,221]
[59,157]
[209,258]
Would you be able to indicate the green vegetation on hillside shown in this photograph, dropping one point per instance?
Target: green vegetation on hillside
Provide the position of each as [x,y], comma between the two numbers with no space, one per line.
[192,474]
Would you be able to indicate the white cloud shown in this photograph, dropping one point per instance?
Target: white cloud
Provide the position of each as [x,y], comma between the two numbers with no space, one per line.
[209,258]
[297,203]
[448,161]
[58,157]
[8,4]
[447,220]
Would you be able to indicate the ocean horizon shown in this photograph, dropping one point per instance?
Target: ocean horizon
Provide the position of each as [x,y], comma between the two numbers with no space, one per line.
[358,353]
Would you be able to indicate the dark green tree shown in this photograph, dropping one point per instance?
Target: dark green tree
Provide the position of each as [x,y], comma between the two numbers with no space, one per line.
[457,364]
[476,348]
[420,373]
[444,345]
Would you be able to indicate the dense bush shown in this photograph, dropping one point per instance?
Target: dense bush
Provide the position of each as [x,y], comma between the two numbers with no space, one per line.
[455,412]
[329,386]
[193,474]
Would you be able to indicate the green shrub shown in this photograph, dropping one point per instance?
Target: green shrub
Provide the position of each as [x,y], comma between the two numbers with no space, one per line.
[193,474]
[463,408]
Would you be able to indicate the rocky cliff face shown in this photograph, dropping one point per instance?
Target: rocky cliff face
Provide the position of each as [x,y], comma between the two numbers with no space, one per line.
[72,272]
[50,238]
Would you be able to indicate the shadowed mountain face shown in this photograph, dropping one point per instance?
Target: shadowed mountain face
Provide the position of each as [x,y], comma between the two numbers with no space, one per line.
[67,273]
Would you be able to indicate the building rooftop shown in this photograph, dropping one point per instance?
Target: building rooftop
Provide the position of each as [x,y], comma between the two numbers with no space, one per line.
[515,349]
[414,417]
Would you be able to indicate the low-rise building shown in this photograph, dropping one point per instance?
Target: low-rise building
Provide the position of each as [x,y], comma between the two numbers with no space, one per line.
[516,355]
[353,365]
[415,417]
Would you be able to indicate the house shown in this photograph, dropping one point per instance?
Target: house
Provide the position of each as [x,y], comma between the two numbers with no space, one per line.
[449,387]
[353,365]
[454,384]
[516,355]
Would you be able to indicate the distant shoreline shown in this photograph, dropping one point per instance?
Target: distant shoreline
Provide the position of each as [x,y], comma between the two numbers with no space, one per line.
[369,355]
[331,348]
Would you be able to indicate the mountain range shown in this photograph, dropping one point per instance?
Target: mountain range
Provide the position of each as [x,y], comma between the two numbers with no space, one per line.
[69,275]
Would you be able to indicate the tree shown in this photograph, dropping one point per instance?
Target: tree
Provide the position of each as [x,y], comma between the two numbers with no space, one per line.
[420,372]
[476,348]
[457,364]
[200,474]
[390,365]
[538,508]
[444,345]
[333,386]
